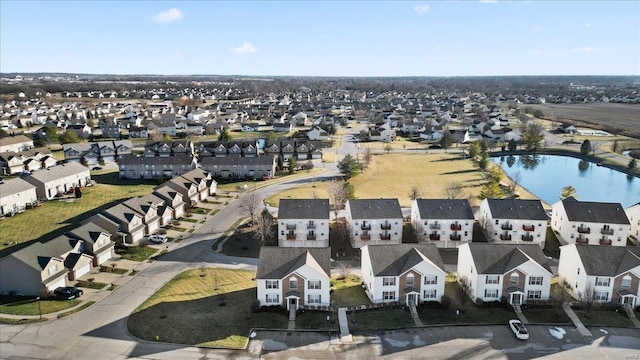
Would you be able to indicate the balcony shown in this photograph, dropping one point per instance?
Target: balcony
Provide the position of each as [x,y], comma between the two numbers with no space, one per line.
[434,226]
[291,237]
[604,241]
[582,240]
[528,227]
[606,231]
[434,237]
[527,237]
[584,230]
[291,226]
[365,226]
[385,226]
[311,236]
[456,227]
[505,237]
[506,227]
[365,237]
[385,237]
[311,226]
[455,237]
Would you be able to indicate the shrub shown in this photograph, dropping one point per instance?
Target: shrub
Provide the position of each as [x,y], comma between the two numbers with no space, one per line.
[445,302]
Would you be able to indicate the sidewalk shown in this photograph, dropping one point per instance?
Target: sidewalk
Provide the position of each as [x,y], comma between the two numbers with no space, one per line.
[586,334]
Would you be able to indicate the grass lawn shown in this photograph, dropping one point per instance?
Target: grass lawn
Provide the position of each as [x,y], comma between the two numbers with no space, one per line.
[22,305]
[90,285]
[11,321]
[551,245]
[243,243]
[380,319]
[235,186]
[348,292]
[604,318]
[546,316]
[136,253]
[207,306]
[64,215]
[317,320]
[80,308]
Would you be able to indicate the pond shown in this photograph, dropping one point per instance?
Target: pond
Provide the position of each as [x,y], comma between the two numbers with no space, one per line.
[546,175]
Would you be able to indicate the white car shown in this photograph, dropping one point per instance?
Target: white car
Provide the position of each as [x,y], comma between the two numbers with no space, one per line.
[158,238]
[518,329]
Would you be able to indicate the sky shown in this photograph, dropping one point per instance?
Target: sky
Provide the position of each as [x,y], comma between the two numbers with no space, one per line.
[322,38]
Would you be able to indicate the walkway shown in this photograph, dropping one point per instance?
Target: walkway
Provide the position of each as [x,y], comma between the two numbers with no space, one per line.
[518,311]
[414,315]
[586,334]
[632,316]
[345,335]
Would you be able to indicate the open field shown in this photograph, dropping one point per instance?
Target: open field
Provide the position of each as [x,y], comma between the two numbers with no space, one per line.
[604,116]
[55,217]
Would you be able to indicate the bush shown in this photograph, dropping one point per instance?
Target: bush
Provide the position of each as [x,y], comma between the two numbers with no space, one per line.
[445,302]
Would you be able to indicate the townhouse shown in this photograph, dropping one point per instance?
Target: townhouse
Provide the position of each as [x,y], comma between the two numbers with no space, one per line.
[445,222]
[405,273]
[236,167]
[590,223]
[303,223]
[59,180]
[504,272]
[155,167]
[633,213]
[514,221]
[15,196]
[374,221]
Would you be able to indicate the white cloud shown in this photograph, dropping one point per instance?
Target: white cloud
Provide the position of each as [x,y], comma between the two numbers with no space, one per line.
[167,16]
[245,48]
[422,9]
[489,1]
[586,49]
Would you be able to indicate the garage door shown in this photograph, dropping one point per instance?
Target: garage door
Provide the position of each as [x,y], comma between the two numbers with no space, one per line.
[57,284]
[83,270]
[104,257]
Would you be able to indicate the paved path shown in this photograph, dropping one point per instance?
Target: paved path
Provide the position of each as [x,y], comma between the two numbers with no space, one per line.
[576,322]
[343,321]
[518,310]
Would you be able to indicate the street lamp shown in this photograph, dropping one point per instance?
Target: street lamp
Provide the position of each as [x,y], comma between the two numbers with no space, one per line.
[39,308]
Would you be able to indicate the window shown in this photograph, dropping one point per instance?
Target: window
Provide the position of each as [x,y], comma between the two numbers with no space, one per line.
[430,294]
[315,284]
[601,295]
[293,283]
[602,281]
[313,299]
[430,279]
[389,295]
[514,279]
[53,269]
[496,222]
[272,284]
[626,281]
[273,298]
[535,280]
[492,279]
[491,293]
[534,294]
[410,279]
[389,281]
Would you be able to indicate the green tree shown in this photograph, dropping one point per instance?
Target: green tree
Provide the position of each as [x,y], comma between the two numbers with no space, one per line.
[484,145]
[483,164]
[568,191]
[224,135]
[349,166]
[292,165]
[474,149]
[272,136]
[586,148]
[349,190]
[491,190]
[513,145]
[632,164]
[533,134]
[3,134]
[280,164]
[446,140]
[51,134]
[69,137]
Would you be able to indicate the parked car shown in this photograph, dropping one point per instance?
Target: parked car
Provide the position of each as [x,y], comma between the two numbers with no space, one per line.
[67,293]
[158,238]
[518,329]
[96,168]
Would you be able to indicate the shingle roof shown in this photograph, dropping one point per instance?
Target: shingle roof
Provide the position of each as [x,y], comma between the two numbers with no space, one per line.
[276,262]
[121,213]
[444,209]
[209,161]
[597,212]
[10,140]
[608,260]
[14,186]
[375,209]
[502,258]
[131,159]
[303,209]
[57,172]
[89,232]
[394,260]
[517,209]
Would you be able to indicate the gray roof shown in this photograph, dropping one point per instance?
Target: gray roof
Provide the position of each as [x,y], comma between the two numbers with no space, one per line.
[596,212]
[502,258]
[88,232]
[517,209]
[57,172]
[17,139]
[121,213]
[131,159]
[303,209]
[276,262]
[608,260]
[209,161]
[444,209]
[37,255]
[14,186]
[394,260]
[375,209]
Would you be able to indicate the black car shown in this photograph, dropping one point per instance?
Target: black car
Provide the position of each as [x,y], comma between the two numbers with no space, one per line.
[67,293]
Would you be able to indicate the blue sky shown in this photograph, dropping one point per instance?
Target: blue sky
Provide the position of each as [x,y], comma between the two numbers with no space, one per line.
[322,38]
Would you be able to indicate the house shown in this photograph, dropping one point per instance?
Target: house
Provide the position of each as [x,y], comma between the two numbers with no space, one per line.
[585,222]
[189,191]
[15,196]
[382,133]
[148,212]
[405,273]
[374,221]
[96,242]
[568,129]
[58,180]
[294,278]
[203,181]
[445,222]
[504,272]
[514,221]
[633,213]
[317,133]
[236,167]
[123,147]
[165,212]
[173,199]
[250,127]
[282,127]
[80,152]
[601,274]
[15,143]
[32,271]
[154,167]
[303,223]
[12,163]
[130,227]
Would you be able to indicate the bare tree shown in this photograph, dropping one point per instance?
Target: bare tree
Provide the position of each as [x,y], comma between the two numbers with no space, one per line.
[249,203]
[418,231]
[464,291]
[453,190]
[366,157]
[344,272]
[516,178]
[388,148]
[264,224]
[415,193]
[487,227]
[337,195]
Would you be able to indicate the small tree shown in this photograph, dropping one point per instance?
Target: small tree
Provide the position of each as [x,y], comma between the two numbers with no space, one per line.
[568,191]
[446,140]
[264,231]
[415,193]
[250,203]
[491,190]
[349,166]
[280,164]
[366,158]
[224,135]
[632,164]
[474,149]
[77,192]
[516,178]
[483,164]
[388,148]
[585,148]
[272,136]
[337,195]
[292,165]
[453,189]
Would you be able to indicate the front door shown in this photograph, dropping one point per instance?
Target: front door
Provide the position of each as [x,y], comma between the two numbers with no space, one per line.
[293,303]
[516,299]
[412,299]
